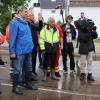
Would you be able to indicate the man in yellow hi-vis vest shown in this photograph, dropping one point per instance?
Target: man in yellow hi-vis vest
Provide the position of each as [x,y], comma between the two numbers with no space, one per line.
[49,44]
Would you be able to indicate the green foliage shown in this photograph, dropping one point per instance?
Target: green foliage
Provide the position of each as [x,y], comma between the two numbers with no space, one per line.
[97,40]
[6,10]
[14,3]
[5,18]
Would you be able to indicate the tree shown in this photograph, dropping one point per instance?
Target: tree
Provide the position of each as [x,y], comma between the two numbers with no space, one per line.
[14,3]
[6,11]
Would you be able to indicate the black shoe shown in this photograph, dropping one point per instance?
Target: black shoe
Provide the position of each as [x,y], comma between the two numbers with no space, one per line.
[72,71]
[48,74]
[34,87]
[40,66]
[57,74]
[11,75]
[22,84]
[2,62]
[35,73]
[90,77]
[31,87]
[0,92]
[16,90]
[65,71]
[34,77]
[82,76]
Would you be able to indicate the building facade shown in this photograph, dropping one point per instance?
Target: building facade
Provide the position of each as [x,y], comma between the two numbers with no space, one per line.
[90,7]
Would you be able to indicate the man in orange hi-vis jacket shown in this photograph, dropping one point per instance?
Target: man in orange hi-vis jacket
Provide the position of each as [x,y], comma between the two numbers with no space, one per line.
[58,53]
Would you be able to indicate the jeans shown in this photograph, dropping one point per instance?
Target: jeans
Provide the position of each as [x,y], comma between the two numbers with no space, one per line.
[22,65]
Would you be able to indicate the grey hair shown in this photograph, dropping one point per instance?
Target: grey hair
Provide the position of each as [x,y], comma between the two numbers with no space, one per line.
[21,8]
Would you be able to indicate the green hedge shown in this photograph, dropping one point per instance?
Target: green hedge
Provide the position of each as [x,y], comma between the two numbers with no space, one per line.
[5,18]
[97,40]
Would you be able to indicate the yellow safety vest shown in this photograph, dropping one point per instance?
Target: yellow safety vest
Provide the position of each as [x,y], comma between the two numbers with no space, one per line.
[48,37]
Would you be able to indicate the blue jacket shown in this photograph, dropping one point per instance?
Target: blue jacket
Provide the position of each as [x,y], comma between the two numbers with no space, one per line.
[20,41]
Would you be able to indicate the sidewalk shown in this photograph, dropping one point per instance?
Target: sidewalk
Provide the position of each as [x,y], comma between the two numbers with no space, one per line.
[96,54]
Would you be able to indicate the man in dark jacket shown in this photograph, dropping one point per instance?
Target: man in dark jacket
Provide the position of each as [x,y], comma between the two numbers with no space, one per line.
[86,34]
[34,28]
[69,34]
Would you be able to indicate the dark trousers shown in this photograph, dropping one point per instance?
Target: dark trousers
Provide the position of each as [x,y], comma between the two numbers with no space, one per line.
[40,57]
[49,57]
[68,51]
[34,56]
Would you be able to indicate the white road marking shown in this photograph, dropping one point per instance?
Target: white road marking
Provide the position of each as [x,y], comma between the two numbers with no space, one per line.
[70,93]
[3,67]
[62,91]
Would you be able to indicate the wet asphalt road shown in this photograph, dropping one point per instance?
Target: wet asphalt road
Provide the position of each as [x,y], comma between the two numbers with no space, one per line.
[69,87]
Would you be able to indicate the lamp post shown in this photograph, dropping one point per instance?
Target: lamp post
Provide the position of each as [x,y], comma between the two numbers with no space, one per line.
[67,5]
[61,11]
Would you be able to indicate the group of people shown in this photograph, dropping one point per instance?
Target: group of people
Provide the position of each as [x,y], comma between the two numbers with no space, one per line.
[27,38]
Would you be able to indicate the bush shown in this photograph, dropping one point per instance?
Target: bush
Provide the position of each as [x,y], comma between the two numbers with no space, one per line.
[5,18]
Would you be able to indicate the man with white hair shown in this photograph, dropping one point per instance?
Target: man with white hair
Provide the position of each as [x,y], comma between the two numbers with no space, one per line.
[49,44]
[35,28]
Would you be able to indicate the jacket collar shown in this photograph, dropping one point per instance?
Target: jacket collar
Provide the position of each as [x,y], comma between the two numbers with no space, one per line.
[54,28]
[20,19]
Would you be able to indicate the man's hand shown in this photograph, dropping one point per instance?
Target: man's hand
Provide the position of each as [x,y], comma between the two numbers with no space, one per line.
[13,56]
